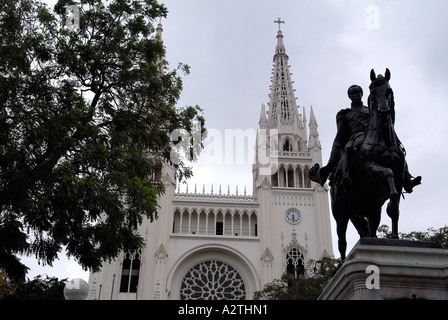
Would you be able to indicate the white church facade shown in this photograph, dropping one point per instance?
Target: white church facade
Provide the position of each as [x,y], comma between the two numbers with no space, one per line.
[221,246]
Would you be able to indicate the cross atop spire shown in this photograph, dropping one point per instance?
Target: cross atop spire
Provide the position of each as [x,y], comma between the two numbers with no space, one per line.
[279,22]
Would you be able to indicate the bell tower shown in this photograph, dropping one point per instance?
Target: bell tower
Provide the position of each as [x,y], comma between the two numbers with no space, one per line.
[294,212]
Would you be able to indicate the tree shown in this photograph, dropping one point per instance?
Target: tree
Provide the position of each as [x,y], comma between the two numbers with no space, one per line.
[6,288]
[40,288]
[436,235]
[86,114]
[309,287]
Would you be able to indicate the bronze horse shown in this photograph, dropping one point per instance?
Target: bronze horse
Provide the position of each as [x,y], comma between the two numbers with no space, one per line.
[377,163]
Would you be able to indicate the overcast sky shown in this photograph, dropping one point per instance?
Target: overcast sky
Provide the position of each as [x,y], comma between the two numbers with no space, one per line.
[331,45]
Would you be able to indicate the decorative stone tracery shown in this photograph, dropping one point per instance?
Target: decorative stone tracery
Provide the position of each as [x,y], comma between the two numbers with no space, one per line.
[212,280]
[294,257]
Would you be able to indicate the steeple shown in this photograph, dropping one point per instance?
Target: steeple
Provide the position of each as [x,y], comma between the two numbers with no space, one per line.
[287,135]
[280,46]
[262,122]
[282,104]
[314,141]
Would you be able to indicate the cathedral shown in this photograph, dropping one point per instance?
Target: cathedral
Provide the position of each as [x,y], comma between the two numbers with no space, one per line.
[218,245]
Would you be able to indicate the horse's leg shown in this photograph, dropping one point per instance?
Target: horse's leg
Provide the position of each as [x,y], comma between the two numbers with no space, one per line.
[393,212]
[374,220]
[341,229]
[361,226]
[341,218]
[394,196]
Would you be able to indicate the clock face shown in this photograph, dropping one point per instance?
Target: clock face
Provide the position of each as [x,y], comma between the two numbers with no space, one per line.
[293,216]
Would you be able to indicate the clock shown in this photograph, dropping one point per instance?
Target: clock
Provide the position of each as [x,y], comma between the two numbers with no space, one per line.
[293,216]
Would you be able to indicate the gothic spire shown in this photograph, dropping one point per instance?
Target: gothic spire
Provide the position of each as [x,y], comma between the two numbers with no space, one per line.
[262,121]
[282,104]
[313,141]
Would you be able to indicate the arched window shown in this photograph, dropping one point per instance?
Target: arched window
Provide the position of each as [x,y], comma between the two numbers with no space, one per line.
[287,146]
[130,271]
[300,177]
[295,263]
[290,178]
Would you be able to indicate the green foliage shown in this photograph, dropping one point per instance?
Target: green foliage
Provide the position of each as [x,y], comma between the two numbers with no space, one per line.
[6,288]
[40,288]
[436,235]
[307,287]
[85,120]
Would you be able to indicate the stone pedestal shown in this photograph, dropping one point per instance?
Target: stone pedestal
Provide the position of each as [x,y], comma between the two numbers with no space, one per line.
[384,269]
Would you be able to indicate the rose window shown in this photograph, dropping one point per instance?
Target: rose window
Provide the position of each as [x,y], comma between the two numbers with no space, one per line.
[212,280]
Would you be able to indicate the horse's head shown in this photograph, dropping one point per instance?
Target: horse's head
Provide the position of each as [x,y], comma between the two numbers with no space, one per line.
[382,106]
[381,97]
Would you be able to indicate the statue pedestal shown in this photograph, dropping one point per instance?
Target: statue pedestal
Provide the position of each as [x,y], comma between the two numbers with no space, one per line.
[385,269]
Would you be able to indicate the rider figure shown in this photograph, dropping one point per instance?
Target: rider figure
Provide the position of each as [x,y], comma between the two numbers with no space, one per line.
[351,121]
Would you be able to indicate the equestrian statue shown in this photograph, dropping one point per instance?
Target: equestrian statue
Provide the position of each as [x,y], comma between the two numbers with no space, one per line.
[367,164]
